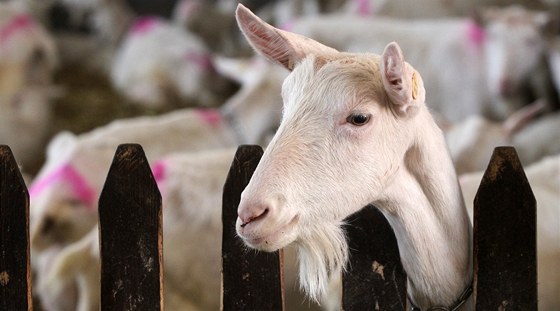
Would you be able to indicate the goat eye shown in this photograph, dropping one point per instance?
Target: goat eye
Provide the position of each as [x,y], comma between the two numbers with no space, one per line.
[358,119]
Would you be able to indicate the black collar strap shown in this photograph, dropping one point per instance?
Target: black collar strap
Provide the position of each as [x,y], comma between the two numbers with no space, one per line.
[461,301]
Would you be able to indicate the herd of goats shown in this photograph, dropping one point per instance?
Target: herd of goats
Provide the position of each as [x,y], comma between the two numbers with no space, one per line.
[392,102]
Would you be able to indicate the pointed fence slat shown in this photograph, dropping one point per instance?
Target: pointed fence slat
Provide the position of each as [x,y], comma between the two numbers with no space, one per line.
[15,276]
[130,218]
[375,278]
[250,280]
[505,265]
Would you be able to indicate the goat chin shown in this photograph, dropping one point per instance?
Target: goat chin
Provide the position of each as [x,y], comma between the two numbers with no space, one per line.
[322,255]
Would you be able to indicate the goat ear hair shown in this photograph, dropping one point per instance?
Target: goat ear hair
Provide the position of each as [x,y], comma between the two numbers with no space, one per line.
[402,83]
[279,46]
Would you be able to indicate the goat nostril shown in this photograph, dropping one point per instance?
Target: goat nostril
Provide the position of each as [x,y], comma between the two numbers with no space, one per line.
[254,218]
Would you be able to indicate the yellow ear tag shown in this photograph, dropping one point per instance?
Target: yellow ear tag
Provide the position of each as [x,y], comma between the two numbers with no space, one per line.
[414,86]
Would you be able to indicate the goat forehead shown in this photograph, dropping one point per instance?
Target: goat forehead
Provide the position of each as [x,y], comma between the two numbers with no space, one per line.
[328,84]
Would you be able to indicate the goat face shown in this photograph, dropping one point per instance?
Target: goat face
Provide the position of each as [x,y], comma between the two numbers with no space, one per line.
[345,130]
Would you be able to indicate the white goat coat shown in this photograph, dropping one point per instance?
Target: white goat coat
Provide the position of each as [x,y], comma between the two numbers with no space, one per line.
[191,187]
[248,117]
[90,155]
[449,53]
[429,8]
[28,59]
[472,141]
[158,59]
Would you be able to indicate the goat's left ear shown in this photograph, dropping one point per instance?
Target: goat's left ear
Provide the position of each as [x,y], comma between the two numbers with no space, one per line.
[401,81]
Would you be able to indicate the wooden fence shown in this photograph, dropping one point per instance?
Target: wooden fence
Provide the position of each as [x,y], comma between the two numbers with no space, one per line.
[130,214]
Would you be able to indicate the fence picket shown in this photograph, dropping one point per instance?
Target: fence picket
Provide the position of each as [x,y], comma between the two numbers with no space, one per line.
[505,265]
[130,219]
[250,280]
[15,275]
[375,279]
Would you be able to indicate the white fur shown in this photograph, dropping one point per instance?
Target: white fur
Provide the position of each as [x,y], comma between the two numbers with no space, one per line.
[468,68]
[320,167]
[29,111]
[191,192]
[163,62]
[68,218]
[26,43]
[28,60]
[425,9]
[472,141]
[255,110]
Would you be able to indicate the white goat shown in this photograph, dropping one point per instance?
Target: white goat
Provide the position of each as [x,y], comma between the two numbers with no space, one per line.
[544,177]
[248,117]
[155,62]
[468,68]
[255,110]
[191,186]
[28,111]
[76,166]
[159,61]
[63,195]
[28,59]
[431,8]
[25,44]
[357,126]
[471,141]
[63,205]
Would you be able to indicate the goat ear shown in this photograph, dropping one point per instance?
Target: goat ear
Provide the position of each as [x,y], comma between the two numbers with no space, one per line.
[402,83]
[282,47]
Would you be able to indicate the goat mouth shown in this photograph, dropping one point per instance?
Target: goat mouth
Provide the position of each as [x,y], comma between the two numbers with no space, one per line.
[272,241]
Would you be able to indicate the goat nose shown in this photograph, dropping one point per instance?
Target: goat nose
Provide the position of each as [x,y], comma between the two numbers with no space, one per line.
[252,213]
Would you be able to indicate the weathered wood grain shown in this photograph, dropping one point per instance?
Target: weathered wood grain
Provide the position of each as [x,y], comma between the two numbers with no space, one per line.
[15,272]
[130,218]
[250,280]
[375,278]
[505,264]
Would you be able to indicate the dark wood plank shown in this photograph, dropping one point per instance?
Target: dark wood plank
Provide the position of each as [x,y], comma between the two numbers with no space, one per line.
[375,278]
[15,275]
[250,280]
[505,236]
[130,219]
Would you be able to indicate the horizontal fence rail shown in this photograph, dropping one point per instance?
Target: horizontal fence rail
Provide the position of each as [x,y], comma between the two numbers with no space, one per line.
[130,215]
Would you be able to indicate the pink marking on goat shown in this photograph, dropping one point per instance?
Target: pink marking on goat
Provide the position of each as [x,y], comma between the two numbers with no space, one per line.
[210,116]
[364,7]
[144,25]
[202,60]
[159,171]
[70,175]
[475,34]
[19,22]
